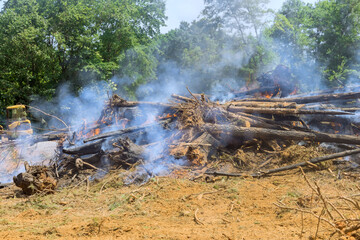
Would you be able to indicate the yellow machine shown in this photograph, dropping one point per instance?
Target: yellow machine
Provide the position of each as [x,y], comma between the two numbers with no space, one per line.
[17,122]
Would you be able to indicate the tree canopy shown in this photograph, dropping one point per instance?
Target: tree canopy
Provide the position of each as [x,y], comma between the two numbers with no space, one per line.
[44,44]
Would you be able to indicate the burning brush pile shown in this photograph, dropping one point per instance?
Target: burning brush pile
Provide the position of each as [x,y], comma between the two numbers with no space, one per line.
[193,136]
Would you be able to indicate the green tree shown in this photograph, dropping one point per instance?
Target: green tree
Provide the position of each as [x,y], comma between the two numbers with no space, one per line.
[336,26]
[245,20]
[46,43]
[324,36]
[238,16]
[28,64]
[292,42]
[197,50]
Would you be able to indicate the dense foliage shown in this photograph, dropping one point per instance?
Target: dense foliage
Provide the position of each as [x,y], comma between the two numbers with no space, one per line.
[44,44]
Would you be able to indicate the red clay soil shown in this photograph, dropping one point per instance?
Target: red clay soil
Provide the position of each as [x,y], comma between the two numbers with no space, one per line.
[169,208]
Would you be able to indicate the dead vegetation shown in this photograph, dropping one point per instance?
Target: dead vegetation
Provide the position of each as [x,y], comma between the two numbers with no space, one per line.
[149,139]
[340,213]
[133,144]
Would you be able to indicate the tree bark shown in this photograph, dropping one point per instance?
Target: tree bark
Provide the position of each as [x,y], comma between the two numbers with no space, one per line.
[310,99]
[264,104]
[265,134]
[182,98]
[284,111]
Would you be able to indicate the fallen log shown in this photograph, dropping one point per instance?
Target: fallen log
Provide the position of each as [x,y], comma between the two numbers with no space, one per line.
[117,101]
[265,134]
[89,148]
[346,109]
[246,121]
[267,89]
[289,167]
[313,161]
[309,99]
[264,104]
[47,137]
[126,130]
[92,158]
[198,150]
[284,111]
[137,104]
[256,121]
[126,153]
[182,98]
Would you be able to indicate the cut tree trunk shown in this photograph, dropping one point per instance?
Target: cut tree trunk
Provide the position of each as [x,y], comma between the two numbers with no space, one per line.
[198,151]
[246,121]
[310,99]
[284,111]
[264,104]
[256,121]
[265,134]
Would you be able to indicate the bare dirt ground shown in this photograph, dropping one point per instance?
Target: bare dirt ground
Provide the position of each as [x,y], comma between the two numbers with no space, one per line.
[170,208]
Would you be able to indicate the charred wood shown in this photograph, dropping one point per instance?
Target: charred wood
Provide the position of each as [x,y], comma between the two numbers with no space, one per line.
[92,158]
[85,149]
[266,89]
[126,130]
[47,137]
[126,153]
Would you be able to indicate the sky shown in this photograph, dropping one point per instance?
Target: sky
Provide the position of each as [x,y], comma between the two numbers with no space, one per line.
[189,10]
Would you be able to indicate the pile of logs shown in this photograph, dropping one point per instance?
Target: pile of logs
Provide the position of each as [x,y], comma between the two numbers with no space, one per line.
[130,134]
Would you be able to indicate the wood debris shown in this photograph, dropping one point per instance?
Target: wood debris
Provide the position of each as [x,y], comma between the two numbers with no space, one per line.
[194,132]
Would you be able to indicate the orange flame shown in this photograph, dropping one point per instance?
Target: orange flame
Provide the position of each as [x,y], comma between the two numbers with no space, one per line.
[294,92]
[97,131]
[336,126]
[167,116]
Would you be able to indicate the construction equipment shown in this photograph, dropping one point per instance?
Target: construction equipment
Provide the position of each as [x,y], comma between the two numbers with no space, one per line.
[17,122]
